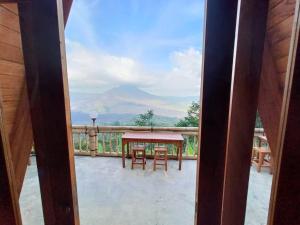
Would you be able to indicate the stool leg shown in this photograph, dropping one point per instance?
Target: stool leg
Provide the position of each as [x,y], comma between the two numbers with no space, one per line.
[154,162]
[144,160]
[132,159]
[166,161]
[260,161]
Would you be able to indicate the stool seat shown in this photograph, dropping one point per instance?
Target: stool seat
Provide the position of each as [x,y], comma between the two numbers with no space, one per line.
[160,154]
[138,156]
[262,157]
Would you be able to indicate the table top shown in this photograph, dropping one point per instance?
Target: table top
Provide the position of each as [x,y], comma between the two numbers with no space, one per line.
[153,136]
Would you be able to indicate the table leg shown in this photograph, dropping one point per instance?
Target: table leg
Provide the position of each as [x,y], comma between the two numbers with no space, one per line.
[127,150]
[123,153]
[180,154]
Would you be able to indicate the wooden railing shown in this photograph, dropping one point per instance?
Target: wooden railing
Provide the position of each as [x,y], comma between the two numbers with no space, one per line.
[106,140]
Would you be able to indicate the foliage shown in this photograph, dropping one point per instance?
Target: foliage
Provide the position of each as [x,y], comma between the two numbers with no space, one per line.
[145,119]
[192,118]
[258,122]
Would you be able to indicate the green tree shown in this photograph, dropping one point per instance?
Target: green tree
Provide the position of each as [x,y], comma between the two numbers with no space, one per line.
[192,118]
[116,123]
[145,119]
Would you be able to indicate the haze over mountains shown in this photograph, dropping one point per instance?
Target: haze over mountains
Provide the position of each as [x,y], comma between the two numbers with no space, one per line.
[121,105]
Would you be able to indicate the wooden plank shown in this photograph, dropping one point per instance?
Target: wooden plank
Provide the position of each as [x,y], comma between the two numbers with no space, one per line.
[281,31]
[215,96]
[9,36]
[21,138]
[274,3]
[285,197]
[13,7]
[46,76]
[281,12]
[9,205]
[280,49]
[9,19]
[11,68]
[281,64]
[7,1]
[243,107]
[11,53]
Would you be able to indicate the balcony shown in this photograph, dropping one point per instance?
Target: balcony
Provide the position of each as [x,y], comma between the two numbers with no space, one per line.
[111,195]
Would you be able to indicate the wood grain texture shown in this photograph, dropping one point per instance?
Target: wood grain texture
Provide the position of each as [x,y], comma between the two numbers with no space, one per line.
[281,12]
[46,77]
[277,43]
[21,138]
[14,94]
[9,204]
[10,37]
[13,86]
[215,96]
[270,98]
[286,182]
[243,106]
[285,197]
[9,19]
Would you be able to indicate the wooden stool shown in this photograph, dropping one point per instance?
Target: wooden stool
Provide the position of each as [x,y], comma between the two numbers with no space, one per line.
[262,158]
[160,153]
[138,156]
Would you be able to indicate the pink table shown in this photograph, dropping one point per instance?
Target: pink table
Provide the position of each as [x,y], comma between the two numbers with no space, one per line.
[153,137]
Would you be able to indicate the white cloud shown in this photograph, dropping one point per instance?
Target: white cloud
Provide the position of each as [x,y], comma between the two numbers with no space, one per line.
[92,70]
[184,77]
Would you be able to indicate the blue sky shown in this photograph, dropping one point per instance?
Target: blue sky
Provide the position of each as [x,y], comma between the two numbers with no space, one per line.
[153,44]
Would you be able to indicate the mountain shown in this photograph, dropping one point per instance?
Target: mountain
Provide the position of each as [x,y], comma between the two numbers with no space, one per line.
[123,103]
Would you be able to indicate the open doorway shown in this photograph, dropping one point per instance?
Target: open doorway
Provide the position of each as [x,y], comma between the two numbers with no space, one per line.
[108,141]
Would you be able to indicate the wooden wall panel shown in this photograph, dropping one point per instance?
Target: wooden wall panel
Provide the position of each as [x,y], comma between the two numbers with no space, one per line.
[285,198]
[13,91]
[11,62]
[277,43]
[13,88]
[9,19]
[9,204]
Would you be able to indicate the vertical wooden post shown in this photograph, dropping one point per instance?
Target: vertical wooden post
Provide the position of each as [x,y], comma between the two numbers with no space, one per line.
[9,202]
[285,197]
[92,142]
[42,30]
[215,94]
[243,106]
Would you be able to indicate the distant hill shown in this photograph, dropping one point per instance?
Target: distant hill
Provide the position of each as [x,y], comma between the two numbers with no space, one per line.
[123,103]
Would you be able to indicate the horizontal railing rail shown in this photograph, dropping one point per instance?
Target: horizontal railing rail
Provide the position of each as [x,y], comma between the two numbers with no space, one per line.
[106,140]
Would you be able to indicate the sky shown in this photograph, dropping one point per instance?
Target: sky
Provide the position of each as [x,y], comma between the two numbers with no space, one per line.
[155,45]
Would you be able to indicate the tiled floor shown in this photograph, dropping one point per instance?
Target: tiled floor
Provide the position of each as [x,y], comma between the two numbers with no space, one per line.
[111,195]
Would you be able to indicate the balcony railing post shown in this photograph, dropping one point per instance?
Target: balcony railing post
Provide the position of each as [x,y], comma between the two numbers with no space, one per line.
[93,141]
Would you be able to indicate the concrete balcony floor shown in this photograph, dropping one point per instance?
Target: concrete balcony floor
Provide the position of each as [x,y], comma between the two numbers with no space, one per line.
[111,195]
